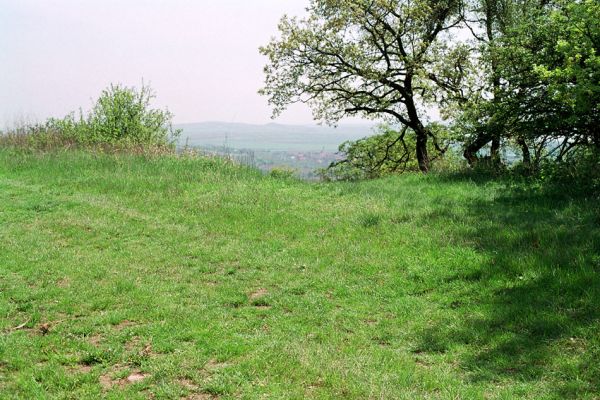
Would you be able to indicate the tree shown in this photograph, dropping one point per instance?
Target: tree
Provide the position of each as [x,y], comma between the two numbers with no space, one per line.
[542,76]
[487,20]
[373,58]
[389,151]
[570,68]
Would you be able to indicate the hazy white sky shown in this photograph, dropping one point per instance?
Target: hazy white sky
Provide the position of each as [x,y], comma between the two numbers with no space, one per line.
[200,56]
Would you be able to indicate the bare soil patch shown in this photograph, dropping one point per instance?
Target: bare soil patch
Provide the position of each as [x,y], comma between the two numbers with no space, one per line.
[124,324]
[258,294]
[107,381]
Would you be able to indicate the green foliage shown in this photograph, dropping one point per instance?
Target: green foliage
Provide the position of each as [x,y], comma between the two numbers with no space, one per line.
[528,79]
[121,116]
[282,173]
[578,175]
[376,59]
[374,156]
[124,114]
[571,62]
[541,67]
[554,75]
[391,151]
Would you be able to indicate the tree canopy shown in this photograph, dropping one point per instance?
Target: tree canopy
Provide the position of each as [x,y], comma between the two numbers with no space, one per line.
[370,58]
[519,73]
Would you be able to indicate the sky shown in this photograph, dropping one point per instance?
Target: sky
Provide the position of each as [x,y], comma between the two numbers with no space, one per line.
[200,56]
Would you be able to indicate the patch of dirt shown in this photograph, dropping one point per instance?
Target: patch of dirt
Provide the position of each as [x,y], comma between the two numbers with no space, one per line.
[214,365]
[135,377]
[123,324]
[287,311]
[136,343]
[201,396]
[423,363]
[312,387]
[44,328]
[107,382]
[95,340]
[187,383]
[63,283]
[258,294]
[132,344]
[147,350]
[383,342]
[80,369]
[257,299]
[576,344]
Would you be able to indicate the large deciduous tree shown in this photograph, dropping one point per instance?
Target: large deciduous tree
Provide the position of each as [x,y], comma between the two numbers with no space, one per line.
[373,58]
[542,77]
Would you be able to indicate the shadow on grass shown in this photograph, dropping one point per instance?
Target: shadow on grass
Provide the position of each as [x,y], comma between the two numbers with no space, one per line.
[533,312]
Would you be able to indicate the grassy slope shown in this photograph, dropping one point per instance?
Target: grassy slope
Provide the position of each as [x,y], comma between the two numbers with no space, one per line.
[214,280]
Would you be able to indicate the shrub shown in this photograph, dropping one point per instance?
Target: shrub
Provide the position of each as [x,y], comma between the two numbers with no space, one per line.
[577,175]
[123,114]
[121,117]
[282,173]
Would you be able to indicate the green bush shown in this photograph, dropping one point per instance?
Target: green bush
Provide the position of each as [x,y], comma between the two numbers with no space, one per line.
[122,116]
[282,173]
[577,175]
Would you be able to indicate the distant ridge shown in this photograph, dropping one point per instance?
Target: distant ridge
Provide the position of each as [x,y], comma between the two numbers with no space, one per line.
[271,136]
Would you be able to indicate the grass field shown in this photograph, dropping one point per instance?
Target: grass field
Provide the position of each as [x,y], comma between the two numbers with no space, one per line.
[128,277]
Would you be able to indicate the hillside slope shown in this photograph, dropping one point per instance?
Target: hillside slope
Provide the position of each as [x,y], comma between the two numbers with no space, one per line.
[131,277]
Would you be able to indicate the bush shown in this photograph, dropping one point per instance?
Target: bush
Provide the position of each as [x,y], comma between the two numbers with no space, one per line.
[122,117]
[282,173]
[578,175]
[124,114]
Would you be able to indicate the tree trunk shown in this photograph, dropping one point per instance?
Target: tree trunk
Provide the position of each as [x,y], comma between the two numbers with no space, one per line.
[525,150]
[493,134]
[491,17]
[471,150]
[417,126]
[495,151]
[422,154]
[421,136]
[596,137]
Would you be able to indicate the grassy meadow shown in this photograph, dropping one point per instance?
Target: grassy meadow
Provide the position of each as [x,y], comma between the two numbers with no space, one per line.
[134,277]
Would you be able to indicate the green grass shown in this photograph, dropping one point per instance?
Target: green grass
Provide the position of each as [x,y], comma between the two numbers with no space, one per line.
[213,282]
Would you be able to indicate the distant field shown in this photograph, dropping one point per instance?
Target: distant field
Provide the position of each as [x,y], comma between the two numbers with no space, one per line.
[275,137]
[301,148]
[127,277]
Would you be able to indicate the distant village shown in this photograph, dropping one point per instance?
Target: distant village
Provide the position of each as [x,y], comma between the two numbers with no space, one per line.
[304,163]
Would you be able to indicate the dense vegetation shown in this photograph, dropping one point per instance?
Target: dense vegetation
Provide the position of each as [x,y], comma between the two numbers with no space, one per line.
[198,279]
[122,117]
[507,75]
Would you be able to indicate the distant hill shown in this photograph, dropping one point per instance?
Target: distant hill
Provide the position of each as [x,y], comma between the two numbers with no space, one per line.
[272,136]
